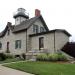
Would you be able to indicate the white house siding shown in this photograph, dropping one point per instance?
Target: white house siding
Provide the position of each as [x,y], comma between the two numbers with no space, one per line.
[60,40]
[18,36]
[40,24]
[30,31]
[48,42]
[18,20]
[11,39]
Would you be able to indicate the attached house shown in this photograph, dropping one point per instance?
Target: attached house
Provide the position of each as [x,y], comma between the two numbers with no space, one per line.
[31,35]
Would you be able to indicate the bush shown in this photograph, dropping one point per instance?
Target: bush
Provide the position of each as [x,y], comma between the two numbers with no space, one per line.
[42,57]
[9,56]
[62,57]
[51,57]
[2,56]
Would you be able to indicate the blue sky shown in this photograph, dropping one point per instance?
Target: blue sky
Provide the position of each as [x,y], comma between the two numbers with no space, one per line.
[58,14]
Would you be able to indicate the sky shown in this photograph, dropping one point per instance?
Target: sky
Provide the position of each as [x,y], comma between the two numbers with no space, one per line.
[58,14]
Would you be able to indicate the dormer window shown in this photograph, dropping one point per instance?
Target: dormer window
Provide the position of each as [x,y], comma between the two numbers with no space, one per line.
[41,29]
[35,28]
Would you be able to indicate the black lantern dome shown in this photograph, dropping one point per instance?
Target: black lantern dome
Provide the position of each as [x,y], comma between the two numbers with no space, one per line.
[21,12]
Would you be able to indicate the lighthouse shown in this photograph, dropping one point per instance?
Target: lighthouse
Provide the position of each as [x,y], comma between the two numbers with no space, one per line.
[20,16]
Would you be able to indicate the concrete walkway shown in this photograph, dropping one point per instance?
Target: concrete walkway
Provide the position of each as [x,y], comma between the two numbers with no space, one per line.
[9,71]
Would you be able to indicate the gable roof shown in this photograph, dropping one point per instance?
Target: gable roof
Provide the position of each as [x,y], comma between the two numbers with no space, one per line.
[26,24]
[51,31]
[23,26]
[6,28]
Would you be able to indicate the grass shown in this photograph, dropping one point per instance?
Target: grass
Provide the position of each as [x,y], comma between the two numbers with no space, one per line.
[44,68]
[10,60]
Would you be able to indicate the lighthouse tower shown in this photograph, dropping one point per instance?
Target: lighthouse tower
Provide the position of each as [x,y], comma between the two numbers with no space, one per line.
[20,16]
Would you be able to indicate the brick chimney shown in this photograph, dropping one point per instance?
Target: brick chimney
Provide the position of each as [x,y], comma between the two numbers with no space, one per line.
[37,12]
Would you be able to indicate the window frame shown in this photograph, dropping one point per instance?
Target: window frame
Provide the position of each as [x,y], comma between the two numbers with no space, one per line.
[35,28]
[41,43]
[18,44]
[41,29]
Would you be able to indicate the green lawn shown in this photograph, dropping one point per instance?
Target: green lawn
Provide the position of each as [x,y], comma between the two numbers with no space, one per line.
[10,60]
[44,68]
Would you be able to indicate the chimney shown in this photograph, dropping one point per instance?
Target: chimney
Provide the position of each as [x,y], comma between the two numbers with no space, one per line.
[37,12]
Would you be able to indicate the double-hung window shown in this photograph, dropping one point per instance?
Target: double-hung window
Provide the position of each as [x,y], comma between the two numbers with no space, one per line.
[17,44]
[35,28]
[41,42]
[41,29]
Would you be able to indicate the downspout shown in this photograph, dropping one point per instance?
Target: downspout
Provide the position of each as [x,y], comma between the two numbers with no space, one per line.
[26,40]
[54,42]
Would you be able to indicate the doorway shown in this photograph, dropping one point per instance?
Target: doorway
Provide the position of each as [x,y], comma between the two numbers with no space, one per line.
[7,48]
[41,43]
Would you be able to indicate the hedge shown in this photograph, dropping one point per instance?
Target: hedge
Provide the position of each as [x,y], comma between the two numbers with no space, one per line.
[51,57]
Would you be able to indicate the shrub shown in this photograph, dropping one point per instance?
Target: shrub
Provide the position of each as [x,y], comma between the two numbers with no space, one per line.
[2,56]
[62,57]
[51,57]
[42,57]
[9,56]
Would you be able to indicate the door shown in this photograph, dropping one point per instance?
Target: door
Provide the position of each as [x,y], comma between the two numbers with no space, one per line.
[41,43]
[8,48]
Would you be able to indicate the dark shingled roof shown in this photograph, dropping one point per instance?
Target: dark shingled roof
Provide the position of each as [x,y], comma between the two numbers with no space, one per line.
[21,14]
[4,31]
[26,24]
[51,31]
[23,26]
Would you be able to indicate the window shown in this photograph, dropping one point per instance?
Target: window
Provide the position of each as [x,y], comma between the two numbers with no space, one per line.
[7,45]
[35,28]
[41,29]
[41,42]
[0,45]
[17,44]
[7,51]
[17,19]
